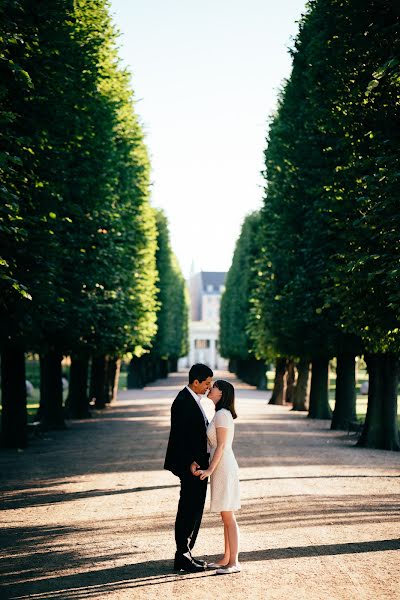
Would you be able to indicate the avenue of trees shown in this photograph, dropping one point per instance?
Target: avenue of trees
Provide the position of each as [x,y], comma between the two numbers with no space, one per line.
[83,255]
[325,278]
[171,340]
[235,341]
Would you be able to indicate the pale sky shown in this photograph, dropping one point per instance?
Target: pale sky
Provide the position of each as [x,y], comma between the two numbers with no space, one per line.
[206,77]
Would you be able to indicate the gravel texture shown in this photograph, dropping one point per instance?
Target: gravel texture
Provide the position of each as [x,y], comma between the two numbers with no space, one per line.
[89,512]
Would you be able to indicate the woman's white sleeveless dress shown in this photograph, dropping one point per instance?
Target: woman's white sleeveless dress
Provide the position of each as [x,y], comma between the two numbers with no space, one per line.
[224,482]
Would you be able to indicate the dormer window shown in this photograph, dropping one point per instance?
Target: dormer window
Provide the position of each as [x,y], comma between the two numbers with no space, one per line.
[210,287]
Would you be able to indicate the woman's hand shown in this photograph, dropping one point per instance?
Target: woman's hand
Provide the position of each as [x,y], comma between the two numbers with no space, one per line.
[204,473]
[194,467]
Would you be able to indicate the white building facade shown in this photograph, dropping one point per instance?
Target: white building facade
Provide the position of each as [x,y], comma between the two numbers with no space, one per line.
[205,289]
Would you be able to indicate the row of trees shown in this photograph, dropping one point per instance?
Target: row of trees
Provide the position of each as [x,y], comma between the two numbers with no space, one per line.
[171,340]
[234,339]
[81,268]
[325,280]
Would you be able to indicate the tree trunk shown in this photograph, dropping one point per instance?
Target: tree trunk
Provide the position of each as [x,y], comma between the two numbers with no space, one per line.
[345,392]
[77,403]
[146,368]
[113,371]
[261,378]
[14,430]
[99,374]
[51,399]
[319,405]
[41,392]
[291,381]
[163,366]
[232,365]
[252,371]
[302,389]
[117,371]
[135,378]
[109,381]
[257,369]
[239,370]
[173,364]
[279,391]
[91,380]
[380,427]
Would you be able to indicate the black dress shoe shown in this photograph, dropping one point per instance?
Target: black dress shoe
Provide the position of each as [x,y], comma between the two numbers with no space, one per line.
[182,563]
[200,562]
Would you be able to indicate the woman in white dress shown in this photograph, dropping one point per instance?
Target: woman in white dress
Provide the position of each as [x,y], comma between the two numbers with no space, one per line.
[224,473]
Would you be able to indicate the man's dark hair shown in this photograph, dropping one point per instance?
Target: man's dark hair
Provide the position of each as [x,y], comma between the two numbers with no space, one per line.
[199,372]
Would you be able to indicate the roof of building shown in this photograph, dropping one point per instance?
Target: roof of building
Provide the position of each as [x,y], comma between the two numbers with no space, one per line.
[214,278]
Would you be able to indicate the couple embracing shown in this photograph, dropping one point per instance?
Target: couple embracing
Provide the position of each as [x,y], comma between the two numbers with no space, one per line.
[198,450]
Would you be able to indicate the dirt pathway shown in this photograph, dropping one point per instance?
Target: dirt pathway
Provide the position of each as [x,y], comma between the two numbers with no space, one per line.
[89,512]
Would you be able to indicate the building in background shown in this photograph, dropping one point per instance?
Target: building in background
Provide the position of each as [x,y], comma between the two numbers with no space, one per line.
[205,289]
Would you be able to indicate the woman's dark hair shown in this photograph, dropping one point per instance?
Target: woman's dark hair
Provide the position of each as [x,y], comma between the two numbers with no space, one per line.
[199,372]
[228,397]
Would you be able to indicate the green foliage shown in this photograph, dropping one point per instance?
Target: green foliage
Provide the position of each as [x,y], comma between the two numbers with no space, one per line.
[171,340]
[292,266]
[80,235]
[235,307]
[179,324]
[363,195]
[328,272]
[15,150]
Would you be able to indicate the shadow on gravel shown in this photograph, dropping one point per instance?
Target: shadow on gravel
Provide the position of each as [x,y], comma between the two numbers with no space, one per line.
[299,511]
[100,582]
[360,476]
[134,438]
[32,497]
[94,584]
[36,497]
[321,550]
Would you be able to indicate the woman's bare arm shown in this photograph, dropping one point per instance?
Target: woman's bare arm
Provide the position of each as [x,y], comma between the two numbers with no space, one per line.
[222,433]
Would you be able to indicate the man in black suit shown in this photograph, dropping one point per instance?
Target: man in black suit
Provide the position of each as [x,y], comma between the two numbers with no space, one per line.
[186,453]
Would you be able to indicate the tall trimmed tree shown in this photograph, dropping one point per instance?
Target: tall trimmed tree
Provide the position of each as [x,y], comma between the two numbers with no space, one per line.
[235,343]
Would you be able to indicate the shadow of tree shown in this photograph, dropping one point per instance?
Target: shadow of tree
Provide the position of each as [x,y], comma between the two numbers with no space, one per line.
[100,582]
[39,497]
[58,561]
[35,496]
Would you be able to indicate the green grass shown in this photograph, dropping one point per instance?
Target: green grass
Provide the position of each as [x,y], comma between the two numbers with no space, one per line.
[33,375]
[270,380]
[122,381]
[33,404]
[33,401]
[361,405]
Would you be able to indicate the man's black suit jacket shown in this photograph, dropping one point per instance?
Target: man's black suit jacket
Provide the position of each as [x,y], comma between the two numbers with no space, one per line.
[188,438]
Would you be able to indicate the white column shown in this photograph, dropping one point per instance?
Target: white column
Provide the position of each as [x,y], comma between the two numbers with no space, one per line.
[191,351]
[213,362]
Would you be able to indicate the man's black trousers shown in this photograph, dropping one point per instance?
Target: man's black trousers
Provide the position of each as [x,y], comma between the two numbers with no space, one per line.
[190,512]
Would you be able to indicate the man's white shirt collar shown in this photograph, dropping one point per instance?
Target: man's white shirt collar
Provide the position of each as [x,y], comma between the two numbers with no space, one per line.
[195,396]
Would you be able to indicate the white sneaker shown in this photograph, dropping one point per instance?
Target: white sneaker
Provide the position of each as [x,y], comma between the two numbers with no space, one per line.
[227,570]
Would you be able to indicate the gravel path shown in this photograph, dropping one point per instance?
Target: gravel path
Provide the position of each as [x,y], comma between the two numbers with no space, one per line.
[89,512]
